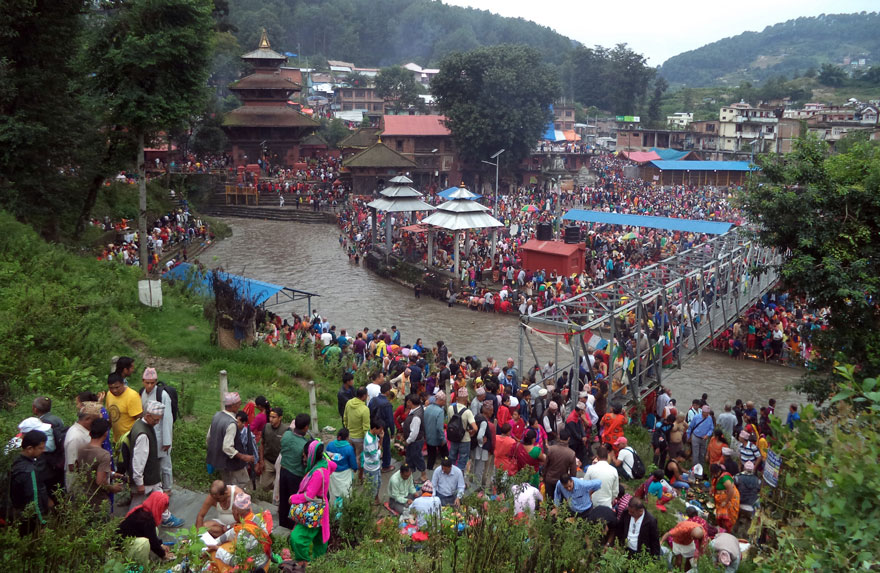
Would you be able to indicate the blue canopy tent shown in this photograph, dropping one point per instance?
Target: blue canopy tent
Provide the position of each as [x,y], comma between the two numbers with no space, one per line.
[668,223]
[259,292]
[446,194]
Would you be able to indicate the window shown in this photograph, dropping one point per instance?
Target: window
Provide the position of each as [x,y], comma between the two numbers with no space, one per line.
[359,94]
[568,113]
[399,145]
[346,107]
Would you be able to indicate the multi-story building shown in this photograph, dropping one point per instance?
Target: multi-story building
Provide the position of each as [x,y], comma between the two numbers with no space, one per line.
[360,99]
[747,129]
[679,120]
[563,116]
[427,141]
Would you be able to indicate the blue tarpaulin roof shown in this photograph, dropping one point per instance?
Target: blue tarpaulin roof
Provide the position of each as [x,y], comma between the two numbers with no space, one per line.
[447,192]
[257,291]
[669,223]
[669,154]
[704,165]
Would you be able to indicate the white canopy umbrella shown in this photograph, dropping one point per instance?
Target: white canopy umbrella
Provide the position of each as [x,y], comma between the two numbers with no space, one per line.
[460,213]
[398,197]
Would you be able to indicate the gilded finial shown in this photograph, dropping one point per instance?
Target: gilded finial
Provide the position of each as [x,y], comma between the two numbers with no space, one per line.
[264,41]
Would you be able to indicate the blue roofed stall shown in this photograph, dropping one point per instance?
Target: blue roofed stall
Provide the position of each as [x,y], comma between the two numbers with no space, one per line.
[648,221]
[680,172]
[256,291]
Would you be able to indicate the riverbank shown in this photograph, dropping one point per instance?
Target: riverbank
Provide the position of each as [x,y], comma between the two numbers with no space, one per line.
[64,316]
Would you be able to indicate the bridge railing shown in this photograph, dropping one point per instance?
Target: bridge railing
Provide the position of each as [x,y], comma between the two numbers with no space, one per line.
[654,318]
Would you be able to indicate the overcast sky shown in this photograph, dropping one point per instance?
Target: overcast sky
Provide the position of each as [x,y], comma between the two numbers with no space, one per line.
[658,29]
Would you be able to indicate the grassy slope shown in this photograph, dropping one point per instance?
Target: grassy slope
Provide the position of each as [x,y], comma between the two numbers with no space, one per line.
[62,317]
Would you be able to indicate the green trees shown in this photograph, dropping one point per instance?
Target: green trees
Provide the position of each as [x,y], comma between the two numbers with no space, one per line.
[825,212]
[152,72]
[823,513]
[43,113]
[831,75]
[615,80]
[398,86]
[495,98]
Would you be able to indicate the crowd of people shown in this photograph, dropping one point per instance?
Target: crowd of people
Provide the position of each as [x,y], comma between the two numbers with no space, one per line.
[175,228]
[459,426]
[612,250]
[776,328]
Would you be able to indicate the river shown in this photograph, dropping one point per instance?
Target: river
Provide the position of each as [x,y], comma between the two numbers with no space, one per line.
[308,257]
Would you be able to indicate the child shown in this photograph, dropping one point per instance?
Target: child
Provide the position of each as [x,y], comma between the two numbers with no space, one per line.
[661,489]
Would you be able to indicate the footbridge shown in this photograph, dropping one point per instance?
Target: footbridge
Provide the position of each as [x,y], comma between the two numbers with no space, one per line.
[653,318]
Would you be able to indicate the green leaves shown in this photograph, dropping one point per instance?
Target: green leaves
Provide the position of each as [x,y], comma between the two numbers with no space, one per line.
[495,98]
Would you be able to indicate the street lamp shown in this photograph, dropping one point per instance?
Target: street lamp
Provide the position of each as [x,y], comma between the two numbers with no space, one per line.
[495,157]
[494,203]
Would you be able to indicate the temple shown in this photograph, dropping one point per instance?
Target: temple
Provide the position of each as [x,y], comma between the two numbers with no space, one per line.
[266,126]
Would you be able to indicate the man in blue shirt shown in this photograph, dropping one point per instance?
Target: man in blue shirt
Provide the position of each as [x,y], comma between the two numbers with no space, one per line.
[342,452]
[793,416]
[577,491]
[395,336]
[699,431]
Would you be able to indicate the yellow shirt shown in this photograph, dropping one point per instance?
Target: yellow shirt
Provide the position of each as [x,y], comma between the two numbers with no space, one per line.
[124,410]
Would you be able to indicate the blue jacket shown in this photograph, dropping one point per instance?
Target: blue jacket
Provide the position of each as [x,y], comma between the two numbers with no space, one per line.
[434,417]
[343,454]
[381,409]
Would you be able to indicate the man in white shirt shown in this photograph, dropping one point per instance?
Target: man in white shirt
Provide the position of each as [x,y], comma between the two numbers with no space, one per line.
[605,473]
[624,458]
[78,436]
[638,529]
[448,482]
[426,505]
[374,388]
[164,431]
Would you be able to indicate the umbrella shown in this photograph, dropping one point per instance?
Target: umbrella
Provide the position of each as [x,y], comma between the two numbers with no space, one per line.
[630,236]
[529,209]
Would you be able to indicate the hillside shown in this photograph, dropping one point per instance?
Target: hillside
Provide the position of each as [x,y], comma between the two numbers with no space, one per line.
[788,48]
[372,33]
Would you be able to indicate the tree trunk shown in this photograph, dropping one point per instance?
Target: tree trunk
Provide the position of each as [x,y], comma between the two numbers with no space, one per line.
[143,251]
[88,205]
[168,165]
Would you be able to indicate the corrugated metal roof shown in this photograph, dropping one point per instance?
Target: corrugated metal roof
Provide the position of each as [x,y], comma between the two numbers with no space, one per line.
[264,54]
[669,223]
[553,247]
[670,154]
[461,221]
[641,156]
[415,125]
[400,205]
[704,165]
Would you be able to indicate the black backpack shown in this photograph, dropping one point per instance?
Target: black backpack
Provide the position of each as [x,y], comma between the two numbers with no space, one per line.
[172,394]
[638,468]
[455,427]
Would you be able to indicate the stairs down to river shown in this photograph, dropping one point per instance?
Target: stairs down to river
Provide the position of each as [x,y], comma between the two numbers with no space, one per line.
[269,213]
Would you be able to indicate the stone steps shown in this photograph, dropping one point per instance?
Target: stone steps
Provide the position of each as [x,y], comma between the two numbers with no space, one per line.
[269,213]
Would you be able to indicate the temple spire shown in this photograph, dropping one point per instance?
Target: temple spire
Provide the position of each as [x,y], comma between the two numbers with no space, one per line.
[264,41]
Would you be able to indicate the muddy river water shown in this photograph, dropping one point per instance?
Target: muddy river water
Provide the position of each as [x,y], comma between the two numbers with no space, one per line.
[308,257]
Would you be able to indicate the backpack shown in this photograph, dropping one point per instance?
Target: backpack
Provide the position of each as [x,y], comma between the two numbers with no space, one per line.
[638,467]
[455,427]
[172,395]
[123,454]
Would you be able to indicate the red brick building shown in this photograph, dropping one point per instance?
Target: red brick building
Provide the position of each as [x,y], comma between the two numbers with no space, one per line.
[426,141]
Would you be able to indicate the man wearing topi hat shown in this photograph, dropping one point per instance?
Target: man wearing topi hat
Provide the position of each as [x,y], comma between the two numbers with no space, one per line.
[145,473]
[225,445]
[164,429]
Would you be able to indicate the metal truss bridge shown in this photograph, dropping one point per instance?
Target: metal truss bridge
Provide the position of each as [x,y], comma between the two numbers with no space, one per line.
[653,318]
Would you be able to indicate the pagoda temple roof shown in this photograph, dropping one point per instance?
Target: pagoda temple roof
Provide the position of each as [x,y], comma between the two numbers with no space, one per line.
[314,140]
[361,138]
[264,51]
[267,116]
[378,155]
[265,81]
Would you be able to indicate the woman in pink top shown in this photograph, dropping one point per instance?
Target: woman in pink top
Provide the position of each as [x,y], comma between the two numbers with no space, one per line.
[309,543]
